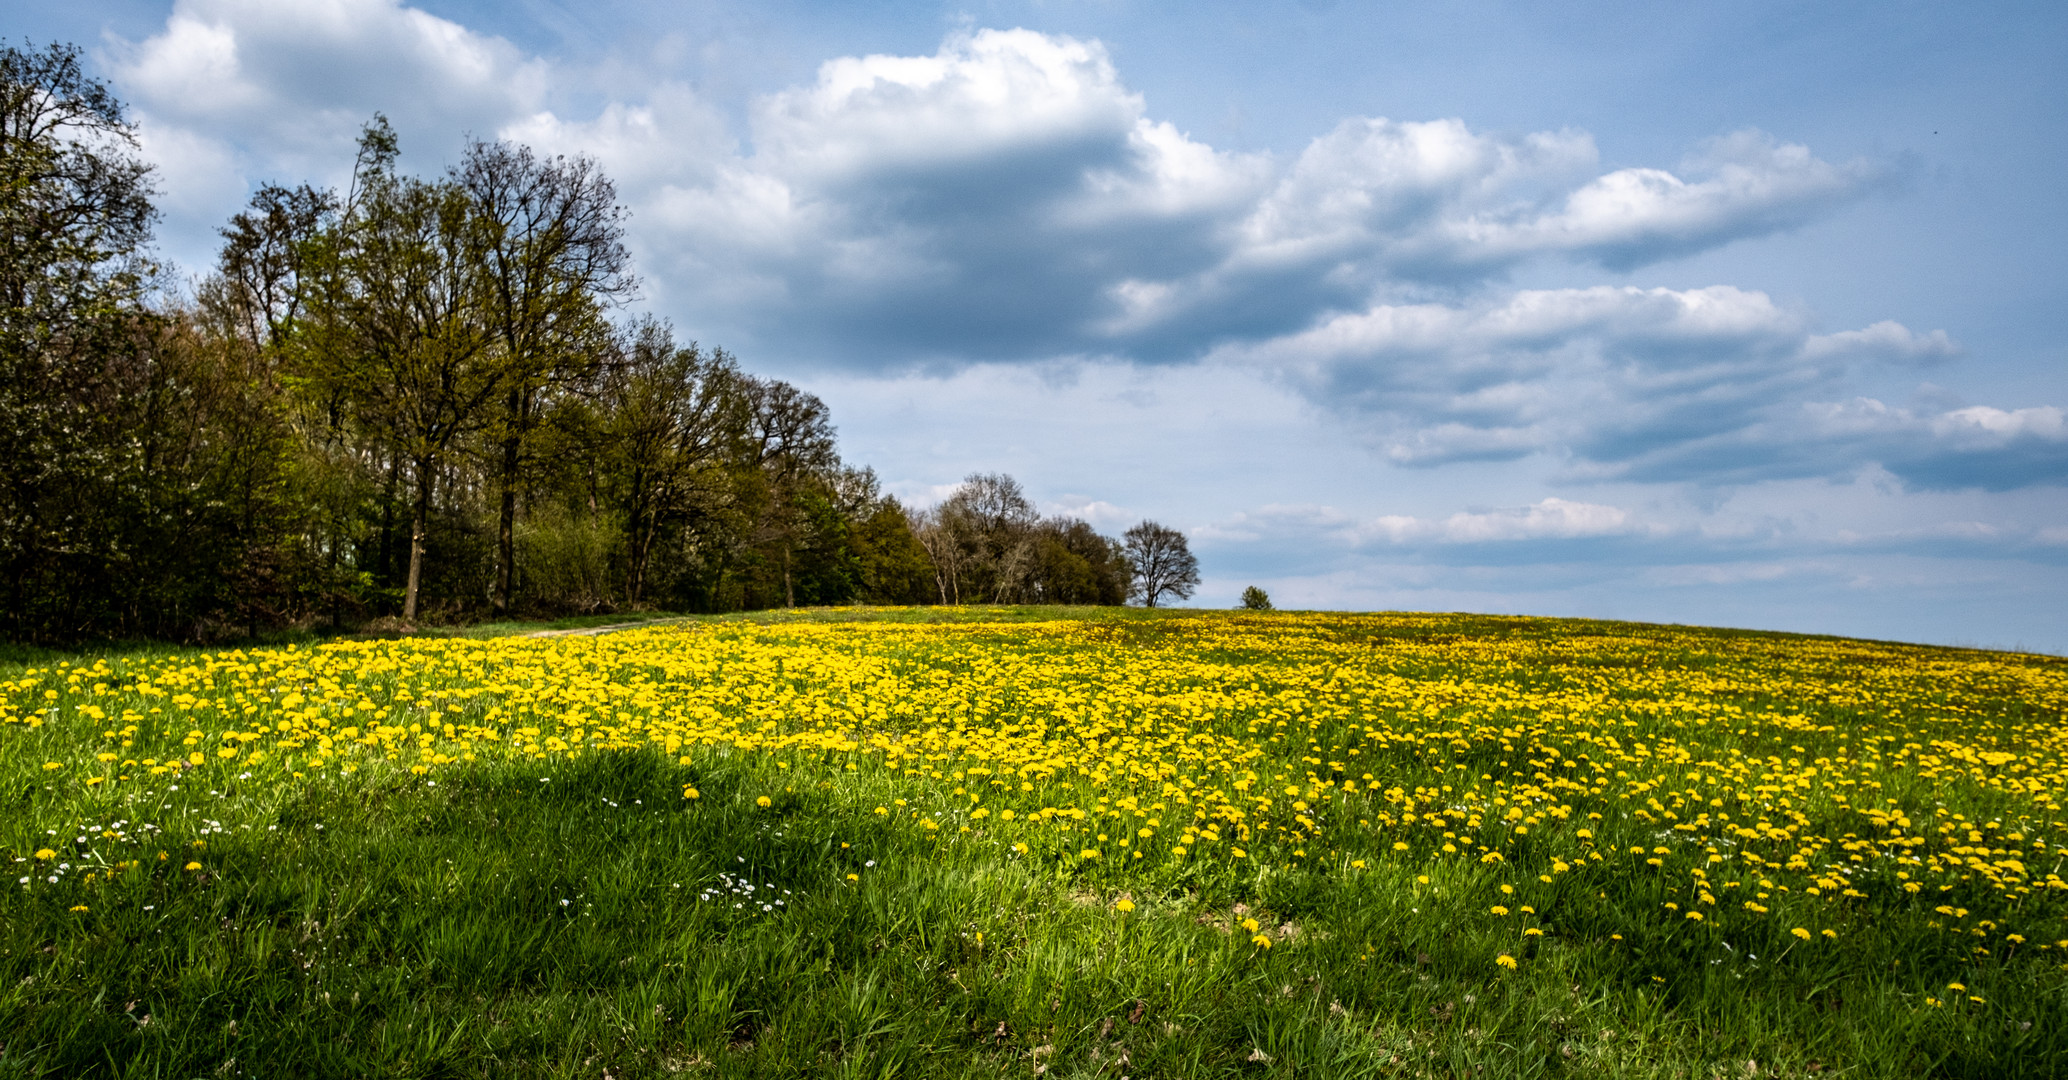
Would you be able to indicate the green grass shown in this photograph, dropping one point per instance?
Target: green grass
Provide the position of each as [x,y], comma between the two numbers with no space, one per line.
[579,918]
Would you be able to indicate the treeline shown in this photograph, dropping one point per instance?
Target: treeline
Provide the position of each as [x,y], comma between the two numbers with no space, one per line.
[417,399]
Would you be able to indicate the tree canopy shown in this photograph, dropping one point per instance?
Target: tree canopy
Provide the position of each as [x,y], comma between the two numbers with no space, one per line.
[420,398]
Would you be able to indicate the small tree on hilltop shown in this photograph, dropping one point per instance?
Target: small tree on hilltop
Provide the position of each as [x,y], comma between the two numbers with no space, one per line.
[1162,563]
[1255,599]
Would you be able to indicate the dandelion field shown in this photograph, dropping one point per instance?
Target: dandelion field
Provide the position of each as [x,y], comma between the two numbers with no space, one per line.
[1039,842]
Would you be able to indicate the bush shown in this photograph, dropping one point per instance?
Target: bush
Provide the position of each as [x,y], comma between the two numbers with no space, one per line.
[565,559]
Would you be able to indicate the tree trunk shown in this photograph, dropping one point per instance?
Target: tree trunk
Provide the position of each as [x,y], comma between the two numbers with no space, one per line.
[789,592]
[506,523]
[387,572]
[420,521]
[642,551]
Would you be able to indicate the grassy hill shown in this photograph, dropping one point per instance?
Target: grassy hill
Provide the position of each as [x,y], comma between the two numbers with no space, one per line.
[1038,842]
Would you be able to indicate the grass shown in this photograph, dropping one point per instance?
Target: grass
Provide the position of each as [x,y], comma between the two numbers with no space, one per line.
[517,909]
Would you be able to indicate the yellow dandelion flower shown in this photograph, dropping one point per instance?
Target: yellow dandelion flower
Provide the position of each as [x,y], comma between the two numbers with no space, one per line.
[192,866]
[1506,961]
[1124,905]
[1801,933]
[763,801]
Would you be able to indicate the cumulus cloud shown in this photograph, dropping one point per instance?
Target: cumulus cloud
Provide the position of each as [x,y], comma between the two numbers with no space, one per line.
[1010,197]
[1745,184]
[291,83]
[1716,385]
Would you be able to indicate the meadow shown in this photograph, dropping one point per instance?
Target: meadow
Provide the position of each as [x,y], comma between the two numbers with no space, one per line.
[1038,843]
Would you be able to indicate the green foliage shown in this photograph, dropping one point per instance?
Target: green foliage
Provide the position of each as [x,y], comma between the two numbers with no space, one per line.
[1255,599]
[408,400]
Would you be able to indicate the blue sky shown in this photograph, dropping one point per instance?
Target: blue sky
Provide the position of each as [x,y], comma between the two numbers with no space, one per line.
[1742,314]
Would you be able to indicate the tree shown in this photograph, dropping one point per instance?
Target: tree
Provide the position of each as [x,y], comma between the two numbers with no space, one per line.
[265,253]
[75,219]
[1162,561]
[1073,564]
[552,255]
[937,537]
[401,330]
[674,425]
[989,522]
[790,435]
[1255,599]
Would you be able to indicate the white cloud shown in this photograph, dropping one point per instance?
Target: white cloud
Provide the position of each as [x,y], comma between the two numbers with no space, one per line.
[1548,371]
[271,68]
[982,96]
[233,93]
[1748,184]
[1378,185]
[1715,385]
[1009,198]
[1886,341]
[1098,513]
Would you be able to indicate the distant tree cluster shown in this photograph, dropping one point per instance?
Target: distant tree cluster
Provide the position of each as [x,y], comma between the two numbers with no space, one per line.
[987,545]
[412,399]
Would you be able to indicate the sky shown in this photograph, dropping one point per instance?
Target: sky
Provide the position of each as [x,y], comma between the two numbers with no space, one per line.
[1741,314]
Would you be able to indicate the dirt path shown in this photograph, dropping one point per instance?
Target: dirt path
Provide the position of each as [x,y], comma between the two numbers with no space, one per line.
[590,631]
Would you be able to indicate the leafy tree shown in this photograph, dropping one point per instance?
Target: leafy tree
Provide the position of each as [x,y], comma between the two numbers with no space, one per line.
[675,421]
[1162,561]
[401,330]
[790,435]
[419,365]
[1255,599]
[552,256]
[1073,564]
[75,220]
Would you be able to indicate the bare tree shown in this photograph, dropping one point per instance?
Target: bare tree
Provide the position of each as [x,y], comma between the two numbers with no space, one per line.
[991,522]
[1162,561]
[943,550]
